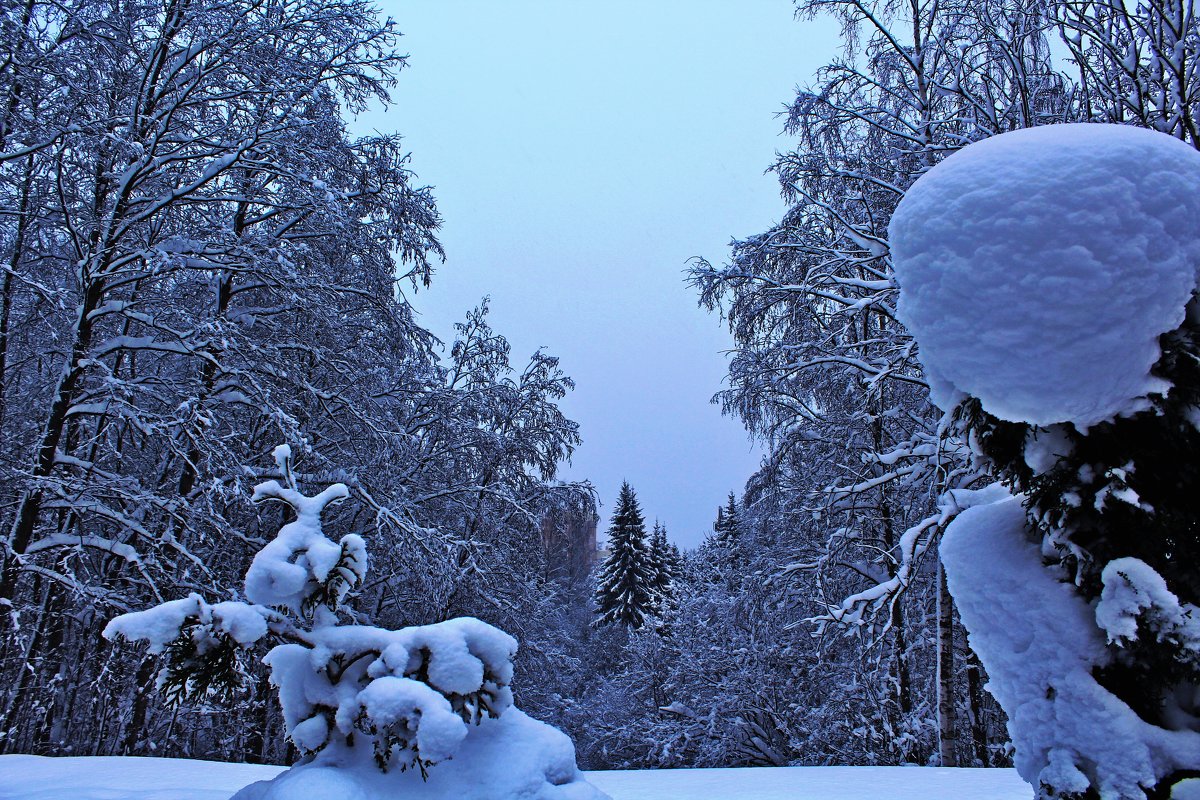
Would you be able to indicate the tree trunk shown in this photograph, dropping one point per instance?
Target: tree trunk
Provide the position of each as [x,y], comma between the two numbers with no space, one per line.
[141,701]
[64,396]
[979,732]
[946,701]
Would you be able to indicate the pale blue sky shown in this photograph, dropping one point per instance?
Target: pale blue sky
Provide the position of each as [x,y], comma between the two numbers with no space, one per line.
[582,152]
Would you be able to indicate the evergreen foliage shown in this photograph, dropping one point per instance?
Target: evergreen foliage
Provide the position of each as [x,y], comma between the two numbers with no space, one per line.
[1128,488]
[666,565]
[727,530]
[626,588]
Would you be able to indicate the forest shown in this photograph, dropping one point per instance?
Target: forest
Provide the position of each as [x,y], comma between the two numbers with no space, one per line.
[208,287]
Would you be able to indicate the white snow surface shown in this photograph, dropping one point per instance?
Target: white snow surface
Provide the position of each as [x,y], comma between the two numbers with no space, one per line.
[461,658]
[513,757]
[285,571]
[1038,268]
[1039,641]
[99,778]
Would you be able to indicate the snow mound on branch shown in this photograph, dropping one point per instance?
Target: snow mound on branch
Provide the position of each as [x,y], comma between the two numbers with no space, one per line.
[1135,594]
[161,624]
[514,757]
[414,692]
[1038,268]
[1039,642]
[288,570]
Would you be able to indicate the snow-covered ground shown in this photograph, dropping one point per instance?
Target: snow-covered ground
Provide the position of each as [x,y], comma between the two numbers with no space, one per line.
[38,778]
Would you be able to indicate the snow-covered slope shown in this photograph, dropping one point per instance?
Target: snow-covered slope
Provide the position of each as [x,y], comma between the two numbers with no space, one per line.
[38,778]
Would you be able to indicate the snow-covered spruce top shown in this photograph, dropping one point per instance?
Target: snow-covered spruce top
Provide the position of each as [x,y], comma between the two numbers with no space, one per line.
[1038,268]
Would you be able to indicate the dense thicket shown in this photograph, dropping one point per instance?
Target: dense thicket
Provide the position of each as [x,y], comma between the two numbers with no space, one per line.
[201,264]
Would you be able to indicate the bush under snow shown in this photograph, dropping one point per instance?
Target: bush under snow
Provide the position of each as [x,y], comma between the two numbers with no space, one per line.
[418,712]
[1038,268]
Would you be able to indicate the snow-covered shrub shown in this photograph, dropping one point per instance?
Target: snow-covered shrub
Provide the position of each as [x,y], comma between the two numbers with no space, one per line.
[1050,278]
[357,698]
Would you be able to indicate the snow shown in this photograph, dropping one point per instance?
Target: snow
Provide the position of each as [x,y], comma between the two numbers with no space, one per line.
[424,711]
[1039,641]
[514,757]
[1134,592]
[283,573]
[91,778]
[1038,268]
[391,701]
[466,665]
[161,624]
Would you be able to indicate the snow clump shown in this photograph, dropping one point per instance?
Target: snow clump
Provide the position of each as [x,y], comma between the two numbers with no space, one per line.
[1039,267]
[1041,646]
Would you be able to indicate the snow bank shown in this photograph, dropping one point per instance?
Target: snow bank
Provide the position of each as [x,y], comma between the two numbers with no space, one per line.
[1038,268]
[100,778]
[1039,642]
[514,757]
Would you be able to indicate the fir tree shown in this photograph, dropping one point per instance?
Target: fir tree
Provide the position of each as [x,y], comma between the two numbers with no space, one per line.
[625,591]
[727,529]
[724,550]
[665,563]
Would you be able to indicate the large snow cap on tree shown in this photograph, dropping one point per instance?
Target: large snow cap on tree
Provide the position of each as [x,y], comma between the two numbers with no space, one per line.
[1038,268]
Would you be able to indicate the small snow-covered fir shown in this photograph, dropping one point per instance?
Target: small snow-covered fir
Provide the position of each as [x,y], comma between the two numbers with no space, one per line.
[421,711]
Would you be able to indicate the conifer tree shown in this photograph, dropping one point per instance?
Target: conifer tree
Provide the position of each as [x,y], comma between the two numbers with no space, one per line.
[664,559]
[727,528]
[625,591]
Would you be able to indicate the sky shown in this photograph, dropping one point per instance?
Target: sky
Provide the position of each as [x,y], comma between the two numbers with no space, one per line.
[581,154]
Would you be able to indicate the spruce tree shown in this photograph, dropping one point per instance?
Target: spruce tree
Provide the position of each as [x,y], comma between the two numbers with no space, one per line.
[724,548]
[664,560]
[625,591]
[727,528]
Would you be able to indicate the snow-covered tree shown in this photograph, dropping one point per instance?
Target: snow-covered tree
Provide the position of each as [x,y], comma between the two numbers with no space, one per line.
[205,263]
[826,375]
[626,584]
[666,564]
[727,528]
[822,372]
[1072,248]
[354,696]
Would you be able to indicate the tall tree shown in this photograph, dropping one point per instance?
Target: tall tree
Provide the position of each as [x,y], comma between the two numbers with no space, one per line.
[625,588]
[207,264]
[666,564]
[822,371]
[727,528]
